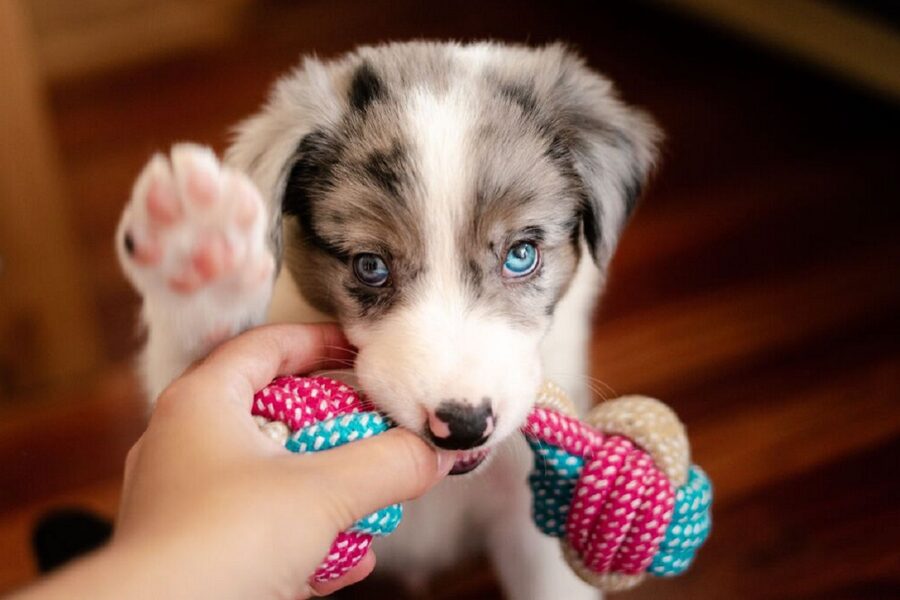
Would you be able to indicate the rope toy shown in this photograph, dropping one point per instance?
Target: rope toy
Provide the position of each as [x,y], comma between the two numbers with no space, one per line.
[618,489]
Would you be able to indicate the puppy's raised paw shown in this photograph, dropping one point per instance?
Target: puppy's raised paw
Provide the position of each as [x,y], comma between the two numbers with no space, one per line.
[194,227]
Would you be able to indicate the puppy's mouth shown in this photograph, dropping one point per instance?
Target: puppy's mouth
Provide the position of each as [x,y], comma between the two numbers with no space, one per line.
[469,460]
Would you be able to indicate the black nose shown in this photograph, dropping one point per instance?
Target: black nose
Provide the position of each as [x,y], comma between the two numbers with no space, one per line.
[459,425]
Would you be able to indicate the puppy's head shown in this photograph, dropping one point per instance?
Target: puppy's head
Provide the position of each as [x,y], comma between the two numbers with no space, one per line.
[438,203]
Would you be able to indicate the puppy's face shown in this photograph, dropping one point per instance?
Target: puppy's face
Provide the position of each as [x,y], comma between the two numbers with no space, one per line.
[442,217]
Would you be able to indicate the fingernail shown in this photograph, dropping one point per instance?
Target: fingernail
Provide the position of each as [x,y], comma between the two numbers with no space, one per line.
[445,461]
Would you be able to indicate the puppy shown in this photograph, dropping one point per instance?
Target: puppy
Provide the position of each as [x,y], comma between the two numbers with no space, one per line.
[454,207]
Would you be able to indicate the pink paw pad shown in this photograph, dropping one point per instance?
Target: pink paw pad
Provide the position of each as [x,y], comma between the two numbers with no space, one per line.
[186,282]
[202,187]
[212,257]
[162,203]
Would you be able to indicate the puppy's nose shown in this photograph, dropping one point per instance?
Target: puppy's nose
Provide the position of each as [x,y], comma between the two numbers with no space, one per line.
[457,425]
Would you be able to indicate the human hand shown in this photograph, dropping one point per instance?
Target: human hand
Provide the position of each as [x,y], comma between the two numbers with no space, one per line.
[211,507]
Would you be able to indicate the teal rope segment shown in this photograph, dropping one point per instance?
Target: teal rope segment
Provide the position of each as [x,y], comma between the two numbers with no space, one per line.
[552,484]
[338,431]
[553,481]
[690,526]
[335,432]
[382,522]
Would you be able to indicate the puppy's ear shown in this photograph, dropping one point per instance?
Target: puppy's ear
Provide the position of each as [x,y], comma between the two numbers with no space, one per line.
[611,147]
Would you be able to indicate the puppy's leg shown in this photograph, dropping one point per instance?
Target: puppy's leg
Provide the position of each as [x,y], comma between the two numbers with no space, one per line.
[529,563]
[193,242]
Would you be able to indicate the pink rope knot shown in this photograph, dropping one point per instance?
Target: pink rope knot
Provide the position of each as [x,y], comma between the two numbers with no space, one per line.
[620,509]
[621,503]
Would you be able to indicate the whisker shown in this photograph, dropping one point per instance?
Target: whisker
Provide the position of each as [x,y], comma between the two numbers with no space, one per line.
[350,351]
[594,385]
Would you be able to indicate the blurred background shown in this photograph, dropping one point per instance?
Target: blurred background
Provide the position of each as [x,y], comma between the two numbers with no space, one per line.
[756,291]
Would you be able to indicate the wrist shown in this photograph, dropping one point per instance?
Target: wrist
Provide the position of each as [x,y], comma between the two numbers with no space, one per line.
[104,573]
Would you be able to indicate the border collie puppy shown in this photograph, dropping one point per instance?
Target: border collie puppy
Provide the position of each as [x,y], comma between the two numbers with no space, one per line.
[454,207]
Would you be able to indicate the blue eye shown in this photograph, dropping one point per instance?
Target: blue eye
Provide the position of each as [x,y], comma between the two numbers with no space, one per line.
[521,260]
[371,269]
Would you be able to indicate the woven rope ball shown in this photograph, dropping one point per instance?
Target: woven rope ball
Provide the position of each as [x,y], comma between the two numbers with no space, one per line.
[618,490]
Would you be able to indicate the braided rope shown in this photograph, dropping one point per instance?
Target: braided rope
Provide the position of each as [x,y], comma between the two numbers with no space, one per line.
[619,505]
[620,492]
[313,414]
[689,528]
[612,501]
[302,401]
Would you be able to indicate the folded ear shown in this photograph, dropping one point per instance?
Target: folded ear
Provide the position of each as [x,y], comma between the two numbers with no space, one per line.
[612,149]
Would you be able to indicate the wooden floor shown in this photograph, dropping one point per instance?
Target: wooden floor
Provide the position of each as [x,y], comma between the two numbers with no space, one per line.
[757,290]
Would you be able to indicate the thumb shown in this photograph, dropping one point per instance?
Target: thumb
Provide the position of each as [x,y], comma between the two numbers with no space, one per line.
[370,474]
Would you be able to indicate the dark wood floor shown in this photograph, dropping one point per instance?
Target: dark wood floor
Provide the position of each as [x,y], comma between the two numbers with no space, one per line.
[757,289]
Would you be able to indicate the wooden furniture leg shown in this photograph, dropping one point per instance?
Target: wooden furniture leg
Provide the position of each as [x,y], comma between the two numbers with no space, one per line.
[47,331]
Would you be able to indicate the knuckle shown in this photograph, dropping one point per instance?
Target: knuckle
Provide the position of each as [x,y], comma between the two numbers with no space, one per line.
[175,398]
[168,400]
[132,455]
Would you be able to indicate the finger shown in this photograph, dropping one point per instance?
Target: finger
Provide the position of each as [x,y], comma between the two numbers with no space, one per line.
[359,572]
[364,476]
[130,460]
[251,360]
